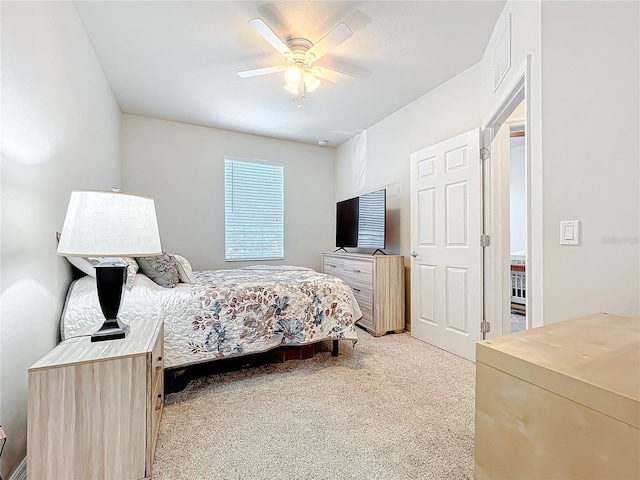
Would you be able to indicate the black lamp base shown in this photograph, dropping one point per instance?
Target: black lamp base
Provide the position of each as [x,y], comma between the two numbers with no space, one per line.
[111,274]
[110,330]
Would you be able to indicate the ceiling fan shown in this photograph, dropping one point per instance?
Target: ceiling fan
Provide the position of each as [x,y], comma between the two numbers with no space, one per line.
[301,73]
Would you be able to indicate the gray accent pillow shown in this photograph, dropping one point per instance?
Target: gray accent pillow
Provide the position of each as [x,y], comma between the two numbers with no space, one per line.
[162,269]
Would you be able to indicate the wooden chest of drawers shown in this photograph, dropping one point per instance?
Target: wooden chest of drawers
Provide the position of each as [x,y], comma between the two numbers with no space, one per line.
[378,285]
[95,408]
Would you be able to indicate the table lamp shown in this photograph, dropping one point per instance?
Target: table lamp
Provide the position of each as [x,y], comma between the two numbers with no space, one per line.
[110,225]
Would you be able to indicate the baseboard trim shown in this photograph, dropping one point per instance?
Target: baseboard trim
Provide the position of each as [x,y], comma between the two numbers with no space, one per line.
[20,473]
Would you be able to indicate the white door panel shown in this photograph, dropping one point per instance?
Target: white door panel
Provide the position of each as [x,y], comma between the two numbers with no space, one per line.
[497,221]
[446,209]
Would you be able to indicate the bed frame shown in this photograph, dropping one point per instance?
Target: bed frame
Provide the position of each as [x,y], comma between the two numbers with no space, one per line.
[177,379]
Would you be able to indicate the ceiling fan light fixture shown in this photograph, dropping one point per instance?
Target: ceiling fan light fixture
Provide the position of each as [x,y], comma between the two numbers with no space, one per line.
[292,88]
[301,76]
[310,82]
[293,74]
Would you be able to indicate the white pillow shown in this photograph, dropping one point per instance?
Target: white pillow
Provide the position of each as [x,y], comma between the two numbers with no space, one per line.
[84,265]
[132,270]
[87,265]
[184,268]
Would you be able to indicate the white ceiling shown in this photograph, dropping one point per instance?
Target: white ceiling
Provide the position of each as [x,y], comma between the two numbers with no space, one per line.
[177,60]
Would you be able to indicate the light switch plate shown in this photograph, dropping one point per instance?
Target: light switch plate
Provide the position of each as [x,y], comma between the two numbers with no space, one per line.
[570,232]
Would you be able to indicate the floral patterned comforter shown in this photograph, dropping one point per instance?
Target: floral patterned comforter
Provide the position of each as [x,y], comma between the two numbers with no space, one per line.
[224,313]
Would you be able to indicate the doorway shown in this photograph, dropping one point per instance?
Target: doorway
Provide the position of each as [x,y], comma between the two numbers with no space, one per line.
[506,195]
[517,221]
[461,281]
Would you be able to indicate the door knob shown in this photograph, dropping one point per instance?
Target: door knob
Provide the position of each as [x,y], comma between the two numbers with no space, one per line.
[414,254]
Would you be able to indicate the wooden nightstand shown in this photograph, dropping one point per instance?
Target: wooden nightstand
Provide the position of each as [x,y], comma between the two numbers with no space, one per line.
[95,408]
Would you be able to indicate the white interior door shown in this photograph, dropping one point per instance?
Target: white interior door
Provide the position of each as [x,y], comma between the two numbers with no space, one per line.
[496,225]
[446,219]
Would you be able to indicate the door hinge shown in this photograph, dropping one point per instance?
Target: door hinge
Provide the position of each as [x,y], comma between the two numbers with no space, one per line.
[484,153]
[485,327]
[485,240]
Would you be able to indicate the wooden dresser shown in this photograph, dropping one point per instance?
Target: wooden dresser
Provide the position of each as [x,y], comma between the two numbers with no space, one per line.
[94,408]
[377,282]
[560,401]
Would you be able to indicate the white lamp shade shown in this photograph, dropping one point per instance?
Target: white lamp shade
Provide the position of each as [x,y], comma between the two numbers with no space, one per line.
[110,224]
[293,74]
[292,88]
[310,81]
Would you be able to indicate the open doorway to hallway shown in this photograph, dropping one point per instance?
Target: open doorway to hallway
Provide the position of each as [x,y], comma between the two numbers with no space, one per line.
[506,215]
[517,220]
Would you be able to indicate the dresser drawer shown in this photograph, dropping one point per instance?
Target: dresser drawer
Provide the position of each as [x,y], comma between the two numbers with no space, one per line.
[333,266]
[367,312]
[157,358]
[367,321]
[363,294]
[359,268]
[357,273]
[157,389]
[157,401]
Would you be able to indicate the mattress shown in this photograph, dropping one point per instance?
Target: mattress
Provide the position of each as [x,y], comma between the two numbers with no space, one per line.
[225,313]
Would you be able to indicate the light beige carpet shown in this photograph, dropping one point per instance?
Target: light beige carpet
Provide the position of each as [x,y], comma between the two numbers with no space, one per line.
[389,408]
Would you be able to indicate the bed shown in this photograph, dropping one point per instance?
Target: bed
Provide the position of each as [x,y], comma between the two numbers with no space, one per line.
[227,313]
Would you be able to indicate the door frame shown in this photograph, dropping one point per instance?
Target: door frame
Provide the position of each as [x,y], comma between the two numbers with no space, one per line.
[518,89]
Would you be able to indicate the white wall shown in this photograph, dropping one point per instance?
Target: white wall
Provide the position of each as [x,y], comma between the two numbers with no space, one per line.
[518,196]
[379,156]
[60,131]
[590,103]
[583,88]
[583,93]
[182,167]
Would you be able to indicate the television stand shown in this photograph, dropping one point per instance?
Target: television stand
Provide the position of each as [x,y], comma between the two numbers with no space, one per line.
[378,250]
[341,248]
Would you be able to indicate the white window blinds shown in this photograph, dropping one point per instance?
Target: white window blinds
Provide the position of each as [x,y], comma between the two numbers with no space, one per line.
[254,209]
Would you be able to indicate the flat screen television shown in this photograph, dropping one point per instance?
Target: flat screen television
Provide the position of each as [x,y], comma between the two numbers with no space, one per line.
[361,221]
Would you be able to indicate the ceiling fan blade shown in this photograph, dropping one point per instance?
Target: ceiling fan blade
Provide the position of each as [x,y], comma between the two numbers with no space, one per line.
[331,40]
[261,71]
[263,29]
[333,75]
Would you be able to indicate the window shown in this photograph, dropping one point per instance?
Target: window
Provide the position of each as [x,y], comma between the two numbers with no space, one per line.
[254,209]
